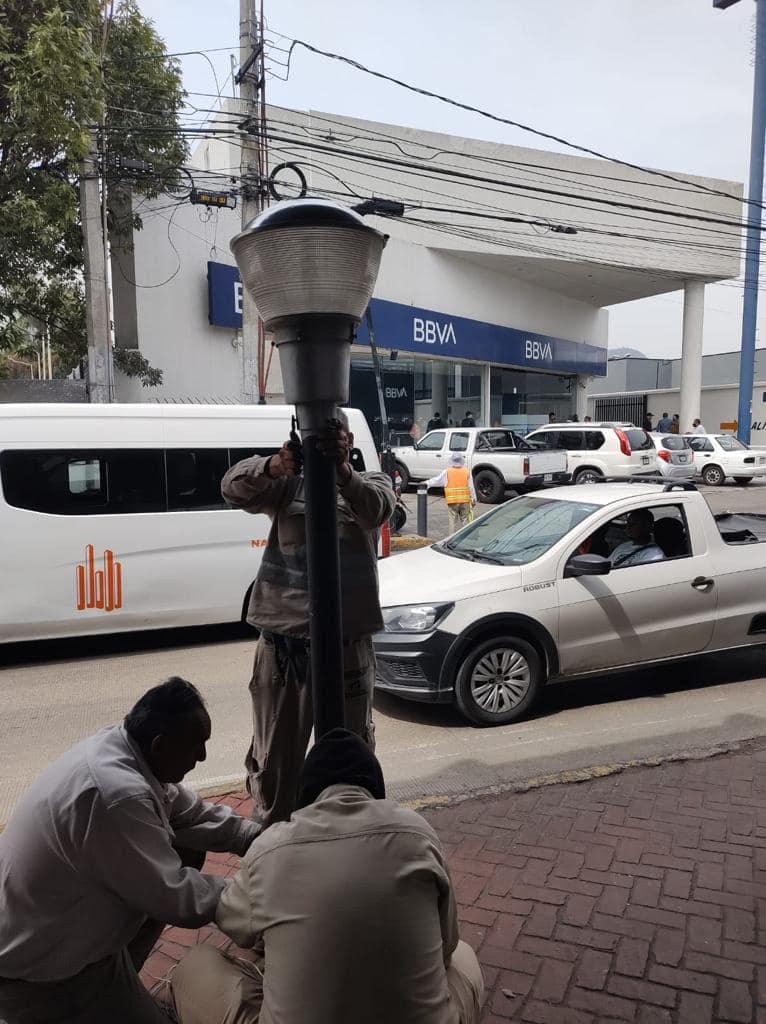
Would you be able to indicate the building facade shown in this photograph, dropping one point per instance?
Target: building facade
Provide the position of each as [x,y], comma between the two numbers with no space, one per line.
[492,293]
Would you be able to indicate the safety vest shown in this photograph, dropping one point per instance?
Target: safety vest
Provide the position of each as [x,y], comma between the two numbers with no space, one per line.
[457,492]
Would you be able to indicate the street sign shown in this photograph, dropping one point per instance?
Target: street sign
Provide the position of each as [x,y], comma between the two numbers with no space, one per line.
[218,199]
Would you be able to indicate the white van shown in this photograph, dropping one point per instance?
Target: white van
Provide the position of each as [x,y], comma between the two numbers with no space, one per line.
[111,516]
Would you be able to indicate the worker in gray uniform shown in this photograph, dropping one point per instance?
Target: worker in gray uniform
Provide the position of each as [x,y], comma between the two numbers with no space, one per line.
[280,687]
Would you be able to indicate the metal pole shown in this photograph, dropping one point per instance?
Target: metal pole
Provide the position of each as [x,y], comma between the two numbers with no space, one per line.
[422,511]
[378,381]
[753,236]
[251,201]
[97,324]
[325,613]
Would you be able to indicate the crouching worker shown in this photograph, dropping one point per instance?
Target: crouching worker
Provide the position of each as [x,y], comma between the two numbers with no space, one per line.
[354,904]
[101,853]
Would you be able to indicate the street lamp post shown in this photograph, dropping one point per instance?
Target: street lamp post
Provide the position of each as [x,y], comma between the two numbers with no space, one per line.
[311,266]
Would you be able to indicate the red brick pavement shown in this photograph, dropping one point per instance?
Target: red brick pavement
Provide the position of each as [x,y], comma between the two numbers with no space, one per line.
[639,896]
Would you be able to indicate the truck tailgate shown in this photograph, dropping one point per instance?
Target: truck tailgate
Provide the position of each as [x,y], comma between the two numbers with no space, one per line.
[547,462]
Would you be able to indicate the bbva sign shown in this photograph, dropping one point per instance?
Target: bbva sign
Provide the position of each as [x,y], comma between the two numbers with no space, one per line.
[431,331]
[539,351]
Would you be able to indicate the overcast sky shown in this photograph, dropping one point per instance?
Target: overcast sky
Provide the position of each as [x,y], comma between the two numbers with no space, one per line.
[662,83]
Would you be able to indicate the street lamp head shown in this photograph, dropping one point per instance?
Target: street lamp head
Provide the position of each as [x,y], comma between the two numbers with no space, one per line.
[304,257]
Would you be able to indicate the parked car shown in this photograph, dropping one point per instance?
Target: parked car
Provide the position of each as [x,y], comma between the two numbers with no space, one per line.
[528,594]
[497,457]
[717,456]
[598,450]
[675,457]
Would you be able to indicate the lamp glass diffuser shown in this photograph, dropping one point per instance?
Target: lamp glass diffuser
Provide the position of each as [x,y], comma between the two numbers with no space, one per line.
[306,256]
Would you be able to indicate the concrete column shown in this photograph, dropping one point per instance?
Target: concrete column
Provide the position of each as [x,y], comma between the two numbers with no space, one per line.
[581,395]
[486,396]
[691,354]
[439,400]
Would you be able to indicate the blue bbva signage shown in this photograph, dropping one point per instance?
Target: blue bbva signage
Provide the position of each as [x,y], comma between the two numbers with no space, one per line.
[426,332]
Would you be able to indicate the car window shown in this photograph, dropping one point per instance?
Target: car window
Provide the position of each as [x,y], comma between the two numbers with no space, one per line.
[572,440]
[458,442]
[731,444]
[194,478]
[544,439]
[495,439]
[668,533]
[639,439]
[518,531]
[432,442]
[674,442]
[594,440]
[700,444]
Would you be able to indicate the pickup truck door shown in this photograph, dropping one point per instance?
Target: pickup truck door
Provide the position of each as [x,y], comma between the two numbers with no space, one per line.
[639,613]
[428,457]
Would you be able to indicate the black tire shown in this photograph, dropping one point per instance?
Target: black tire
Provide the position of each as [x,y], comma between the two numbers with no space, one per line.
[587,475]
[525,676]
[398,518]
[404,473]
[713,476]
[490,486]
[743,480]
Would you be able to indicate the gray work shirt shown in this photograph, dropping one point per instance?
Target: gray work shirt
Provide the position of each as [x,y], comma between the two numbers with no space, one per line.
[87,856]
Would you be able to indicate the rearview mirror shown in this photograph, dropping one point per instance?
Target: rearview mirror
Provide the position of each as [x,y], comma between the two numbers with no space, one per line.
[587,565]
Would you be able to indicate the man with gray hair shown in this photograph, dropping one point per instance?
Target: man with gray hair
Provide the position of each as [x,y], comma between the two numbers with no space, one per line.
[280,687]
[459,491]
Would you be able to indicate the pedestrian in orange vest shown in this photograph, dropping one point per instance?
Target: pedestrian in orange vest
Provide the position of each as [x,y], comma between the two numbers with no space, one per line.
[459,491]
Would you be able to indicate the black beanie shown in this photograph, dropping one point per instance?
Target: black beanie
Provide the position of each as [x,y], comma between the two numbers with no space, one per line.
[340,758]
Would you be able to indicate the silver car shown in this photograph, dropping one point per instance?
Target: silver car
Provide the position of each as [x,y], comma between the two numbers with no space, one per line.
[675,457]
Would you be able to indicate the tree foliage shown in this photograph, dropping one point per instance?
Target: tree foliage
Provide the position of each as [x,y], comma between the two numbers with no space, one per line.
[64,71]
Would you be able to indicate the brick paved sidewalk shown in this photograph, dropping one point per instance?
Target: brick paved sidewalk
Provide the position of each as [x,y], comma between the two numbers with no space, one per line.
[640,896]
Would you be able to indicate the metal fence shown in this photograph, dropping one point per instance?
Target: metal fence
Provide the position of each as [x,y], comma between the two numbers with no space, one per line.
[624,409]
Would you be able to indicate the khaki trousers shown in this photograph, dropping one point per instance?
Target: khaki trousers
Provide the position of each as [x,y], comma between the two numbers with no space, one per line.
[280,691]
[211,988]
[458,515]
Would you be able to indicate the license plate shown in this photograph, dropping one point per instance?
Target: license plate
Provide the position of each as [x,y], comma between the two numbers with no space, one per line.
[645,459]
[547,477]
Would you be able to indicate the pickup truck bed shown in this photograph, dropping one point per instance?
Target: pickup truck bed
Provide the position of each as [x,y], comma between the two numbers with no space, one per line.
[742,527]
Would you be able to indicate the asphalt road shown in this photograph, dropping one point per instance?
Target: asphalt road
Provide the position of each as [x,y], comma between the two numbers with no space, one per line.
[54,693]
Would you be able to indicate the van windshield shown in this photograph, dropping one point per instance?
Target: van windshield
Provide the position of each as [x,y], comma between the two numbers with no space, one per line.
[518,531]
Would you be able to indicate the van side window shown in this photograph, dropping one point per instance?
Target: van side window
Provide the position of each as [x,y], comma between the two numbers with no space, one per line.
[194,478]
[240,454]
[74,483]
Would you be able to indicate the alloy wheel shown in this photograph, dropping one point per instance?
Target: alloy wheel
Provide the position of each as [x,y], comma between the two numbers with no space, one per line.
[500,680]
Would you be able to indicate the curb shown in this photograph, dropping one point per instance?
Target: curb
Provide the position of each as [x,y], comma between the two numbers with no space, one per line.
[410,542]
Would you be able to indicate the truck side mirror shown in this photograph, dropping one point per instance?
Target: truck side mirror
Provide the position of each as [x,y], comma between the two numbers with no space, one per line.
[587,565]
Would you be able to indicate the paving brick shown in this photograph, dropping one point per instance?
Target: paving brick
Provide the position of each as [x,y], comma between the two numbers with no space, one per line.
[541,921]
[578,910]
[546,948]
[613,900]
[652,916]
[695,1009]
[675,977]
[653,1015]
[646,892]
[544,1013]
[632,955]
[602,1004]
[642,991]
[739,925]
[586,937]
[593,969]
[505,930]
[718,965]
[677,883]
[552,981]
[669,946]
[735,1002]
[568,865]
[623,926]
[704,935]
[630,850]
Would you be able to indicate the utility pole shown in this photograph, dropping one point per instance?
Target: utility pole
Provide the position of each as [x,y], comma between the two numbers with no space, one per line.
[96,297]
[754,217]
[251,79]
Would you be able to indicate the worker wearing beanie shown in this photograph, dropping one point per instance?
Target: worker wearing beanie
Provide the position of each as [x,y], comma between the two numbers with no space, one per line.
[353,901]
[459,492]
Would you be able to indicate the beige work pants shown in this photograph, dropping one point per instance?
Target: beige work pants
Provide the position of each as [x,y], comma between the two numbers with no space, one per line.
[458,515]
[280,691]
[210,988]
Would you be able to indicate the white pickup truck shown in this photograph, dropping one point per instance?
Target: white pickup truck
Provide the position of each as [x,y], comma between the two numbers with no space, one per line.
[497,457]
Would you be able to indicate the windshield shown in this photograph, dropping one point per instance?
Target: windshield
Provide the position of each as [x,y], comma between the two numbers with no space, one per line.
[731,444]
[518,531]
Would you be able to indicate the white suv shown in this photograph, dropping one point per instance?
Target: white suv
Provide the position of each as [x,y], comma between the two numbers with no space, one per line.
[597,450]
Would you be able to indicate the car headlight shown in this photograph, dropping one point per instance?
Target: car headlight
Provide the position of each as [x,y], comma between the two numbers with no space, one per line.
[413,618]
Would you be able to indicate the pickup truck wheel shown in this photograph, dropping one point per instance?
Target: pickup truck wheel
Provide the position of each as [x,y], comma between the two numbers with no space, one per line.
[713,476]
[490,487]
[587,475]
[743,479]
[499,681]
[404,473]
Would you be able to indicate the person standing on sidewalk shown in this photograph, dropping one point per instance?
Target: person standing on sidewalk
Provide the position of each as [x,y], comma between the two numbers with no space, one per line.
[459,491]
[103,850]
[354,905]
[280,687]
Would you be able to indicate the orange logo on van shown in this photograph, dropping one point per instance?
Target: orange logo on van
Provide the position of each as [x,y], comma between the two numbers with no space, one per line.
[99,588]
[259,543]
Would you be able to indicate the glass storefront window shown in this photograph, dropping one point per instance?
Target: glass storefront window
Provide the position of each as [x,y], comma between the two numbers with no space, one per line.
[449,388]
[523,399]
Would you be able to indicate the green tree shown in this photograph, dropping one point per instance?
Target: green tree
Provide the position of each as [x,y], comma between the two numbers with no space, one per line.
[67,67]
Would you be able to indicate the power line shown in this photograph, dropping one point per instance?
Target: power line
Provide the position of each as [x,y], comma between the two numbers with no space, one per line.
[510,122]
